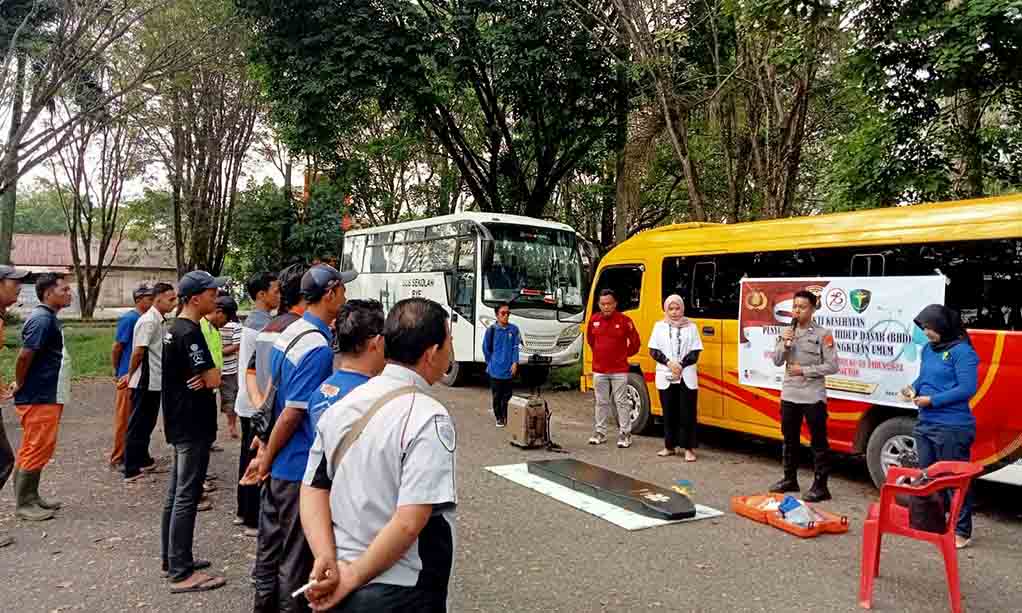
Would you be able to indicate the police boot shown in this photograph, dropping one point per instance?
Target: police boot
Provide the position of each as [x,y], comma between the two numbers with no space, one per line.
[819,491]
[788,484]
[50,505]
[26,486]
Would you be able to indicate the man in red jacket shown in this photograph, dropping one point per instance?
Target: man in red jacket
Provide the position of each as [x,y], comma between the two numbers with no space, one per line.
[613,339]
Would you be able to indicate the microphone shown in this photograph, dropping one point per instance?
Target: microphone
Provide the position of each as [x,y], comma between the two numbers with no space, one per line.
[794,328]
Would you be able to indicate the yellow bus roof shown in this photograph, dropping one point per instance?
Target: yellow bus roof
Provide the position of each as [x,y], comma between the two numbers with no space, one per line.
[983,218]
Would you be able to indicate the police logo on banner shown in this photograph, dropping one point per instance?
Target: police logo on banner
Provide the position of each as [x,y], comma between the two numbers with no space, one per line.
[859,299]
[445,432]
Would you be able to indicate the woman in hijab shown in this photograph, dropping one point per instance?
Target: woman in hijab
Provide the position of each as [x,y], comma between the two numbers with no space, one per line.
[947,380]
[675,345]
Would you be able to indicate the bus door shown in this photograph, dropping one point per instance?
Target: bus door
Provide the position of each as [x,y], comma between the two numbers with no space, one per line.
[461,297]
[701,307]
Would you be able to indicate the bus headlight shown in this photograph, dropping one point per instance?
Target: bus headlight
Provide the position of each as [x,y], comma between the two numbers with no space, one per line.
[568,335]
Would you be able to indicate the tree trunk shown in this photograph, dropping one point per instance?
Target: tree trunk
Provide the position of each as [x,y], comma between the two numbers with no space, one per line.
[9,165]
[969,182]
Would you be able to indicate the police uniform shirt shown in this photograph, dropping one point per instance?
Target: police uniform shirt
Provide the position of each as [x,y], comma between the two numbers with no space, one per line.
[405,456]
[814,351]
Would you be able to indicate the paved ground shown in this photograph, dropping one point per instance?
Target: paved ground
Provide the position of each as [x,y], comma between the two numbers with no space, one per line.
[518,550]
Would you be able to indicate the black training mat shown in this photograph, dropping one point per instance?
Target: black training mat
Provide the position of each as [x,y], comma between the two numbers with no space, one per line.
[617,489]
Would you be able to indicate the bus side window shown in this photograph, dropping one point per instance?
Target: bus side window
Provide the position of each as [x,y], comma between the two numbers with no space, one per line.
[465,279]
[676,278]
[626,283]
[868,265]
[704,277]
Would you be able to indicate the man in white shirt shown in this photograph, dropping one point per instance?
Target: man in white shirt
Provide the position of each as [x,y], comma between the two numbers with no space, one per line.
[379,497]
[144,375]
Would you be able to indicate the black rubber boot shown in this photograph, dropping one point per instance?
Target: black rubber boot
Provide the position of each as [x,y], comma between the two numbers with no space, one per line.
[819,491]
[26,485]
[49,505]
[788,484]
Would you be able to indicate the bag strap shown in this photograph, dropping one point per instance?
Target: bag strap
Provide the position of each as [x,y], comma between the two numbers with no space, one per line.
[359,426]
[290,346]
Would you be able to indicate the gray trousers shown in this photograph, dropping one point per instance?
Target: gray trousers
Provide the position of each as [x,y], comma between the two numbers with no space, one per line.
[612,391]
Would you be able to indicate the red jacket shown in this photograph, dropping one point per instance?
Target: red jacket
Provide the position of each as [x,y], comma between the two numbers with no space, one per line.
[613,340]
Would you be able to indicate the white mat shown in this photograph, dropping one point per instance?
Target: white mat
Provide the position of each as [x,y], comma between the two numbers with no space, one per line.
[519,473]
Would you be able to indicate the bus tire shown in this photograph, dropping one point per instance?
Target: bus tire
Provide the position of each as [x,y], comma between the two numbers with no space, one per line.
[891,444]
[638,395]
[455,375]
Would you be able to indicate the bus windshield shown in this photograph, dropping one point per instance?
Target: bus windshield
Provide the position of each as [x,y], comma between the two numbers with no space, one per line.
[534,268]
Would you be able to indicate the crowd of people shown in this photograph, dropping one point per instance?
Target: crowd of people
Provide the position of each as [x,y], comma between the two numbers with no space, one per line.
[346,470]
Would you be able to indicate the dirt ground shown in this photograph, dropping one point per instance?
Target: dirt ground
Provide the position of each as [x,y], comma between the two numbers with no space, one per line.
[517,550]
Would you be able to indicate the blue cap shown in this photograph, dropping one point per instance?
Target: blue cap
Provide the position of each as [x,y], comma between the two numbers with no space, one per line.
[321,278]
[197,282]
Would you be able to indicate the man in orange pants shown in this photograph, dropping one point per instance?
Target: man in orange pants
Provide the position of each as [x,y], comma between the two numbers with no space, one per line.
[121,358]
[10,287]
[41,387]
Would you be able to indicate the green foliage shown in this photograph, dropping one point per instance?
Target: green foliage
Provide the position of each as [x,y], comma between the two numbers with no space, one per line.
[514,90]
[39,212]
[271,230]
[944,74]
[149,217]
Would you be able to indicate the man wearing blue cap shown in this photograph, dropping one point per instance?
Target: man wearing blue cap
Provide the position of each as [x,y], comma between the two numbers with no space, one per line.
[301,360]
[189,422]
[10,287]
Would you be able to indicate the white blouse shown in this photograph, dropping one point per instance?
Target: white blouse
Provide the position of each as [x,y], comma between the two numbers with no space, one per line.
[675,343]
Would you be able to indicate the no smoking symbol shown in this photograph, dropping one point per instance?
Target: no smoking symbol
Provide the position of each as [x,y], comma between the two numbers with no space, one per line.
[836,299]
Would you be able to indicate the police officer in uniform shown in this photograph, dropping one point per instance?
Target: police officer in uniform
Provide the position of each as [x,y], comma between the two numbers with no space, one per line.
[809,352]
[378,498]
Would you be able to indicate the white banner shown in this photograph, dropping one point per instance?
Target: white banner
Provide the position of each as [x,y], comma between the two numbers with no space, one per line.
[878,344]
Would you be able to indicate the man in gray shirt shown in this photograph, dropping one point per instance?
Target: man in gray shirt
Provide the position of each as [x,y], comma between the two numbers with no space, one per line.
[808,350]
[378,498]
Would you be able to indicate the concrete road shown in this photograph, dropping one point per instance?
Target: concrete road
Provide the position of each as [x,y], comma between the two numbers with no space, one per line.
[517,550]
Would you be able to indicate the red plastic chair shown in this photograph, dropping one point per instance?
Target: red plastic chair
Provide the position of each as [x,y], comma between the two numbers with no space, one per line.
[891,518]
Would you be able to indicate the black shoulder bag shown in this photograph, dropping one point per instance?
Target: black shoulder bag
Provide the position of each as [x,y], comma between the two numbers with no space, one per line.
[264,419]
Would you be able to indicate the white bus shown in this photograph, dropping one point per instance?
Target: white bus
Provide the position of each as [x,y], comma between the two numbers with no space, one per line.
[472,262]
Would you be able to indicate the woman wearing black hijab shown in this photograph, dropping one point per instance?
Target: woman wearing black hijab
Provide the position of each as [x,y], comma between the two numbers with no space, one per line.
[947,380]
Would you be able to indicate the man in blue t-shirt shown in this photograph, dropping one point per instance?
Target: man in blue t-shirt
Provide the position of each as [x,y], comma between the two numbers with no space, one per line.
[358,334]
[500,349]
[120,357]
[42,383]
[303,357]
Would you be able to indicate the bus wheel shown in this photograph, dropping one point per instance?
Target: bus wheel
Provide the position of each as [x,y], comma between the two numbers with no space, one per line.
[456,374]
[891,444]
[638,398]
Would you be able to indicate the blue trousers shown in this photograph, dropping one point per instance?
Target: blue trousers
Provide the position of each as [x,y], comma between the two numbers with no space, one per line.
[935,443]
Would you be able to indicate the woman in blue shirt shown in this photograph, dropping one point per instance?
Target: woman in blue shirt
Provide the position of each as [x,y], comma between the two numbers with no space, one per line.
[947,381]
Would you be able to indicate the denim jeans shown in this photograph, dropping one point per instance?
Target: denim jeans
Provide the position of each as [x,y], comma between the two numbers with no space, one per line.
[178,530]
[935,443]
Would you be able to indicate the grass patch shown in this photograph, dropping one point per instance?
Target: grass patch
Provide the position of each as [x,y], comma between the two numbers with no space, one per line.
[566,377]
[89,348]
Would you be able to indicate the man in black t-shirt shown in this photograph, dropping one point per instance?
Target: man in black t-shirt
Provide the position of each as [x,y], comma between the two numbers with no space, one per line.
[189,421]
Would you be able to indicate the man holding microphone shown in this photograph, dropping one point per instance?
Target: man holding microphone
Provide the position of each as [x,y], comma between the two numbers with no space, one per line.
[809,352]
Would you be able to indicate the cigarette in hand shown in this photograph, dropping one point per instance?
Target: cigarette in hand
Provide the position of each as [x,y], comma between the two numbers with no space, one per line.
[303,589]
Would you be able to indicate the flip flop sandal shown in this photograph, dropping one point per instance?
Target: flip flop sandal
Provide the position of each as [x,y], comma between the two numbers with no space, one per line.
[213,583]
[196,565]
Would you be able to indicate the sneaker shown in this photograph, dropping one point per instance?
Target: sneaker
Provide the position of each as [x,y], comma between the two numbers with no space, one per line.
[251,532]
[624,441]
[157,467]
[961,542]
[500,424]
[597,439]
